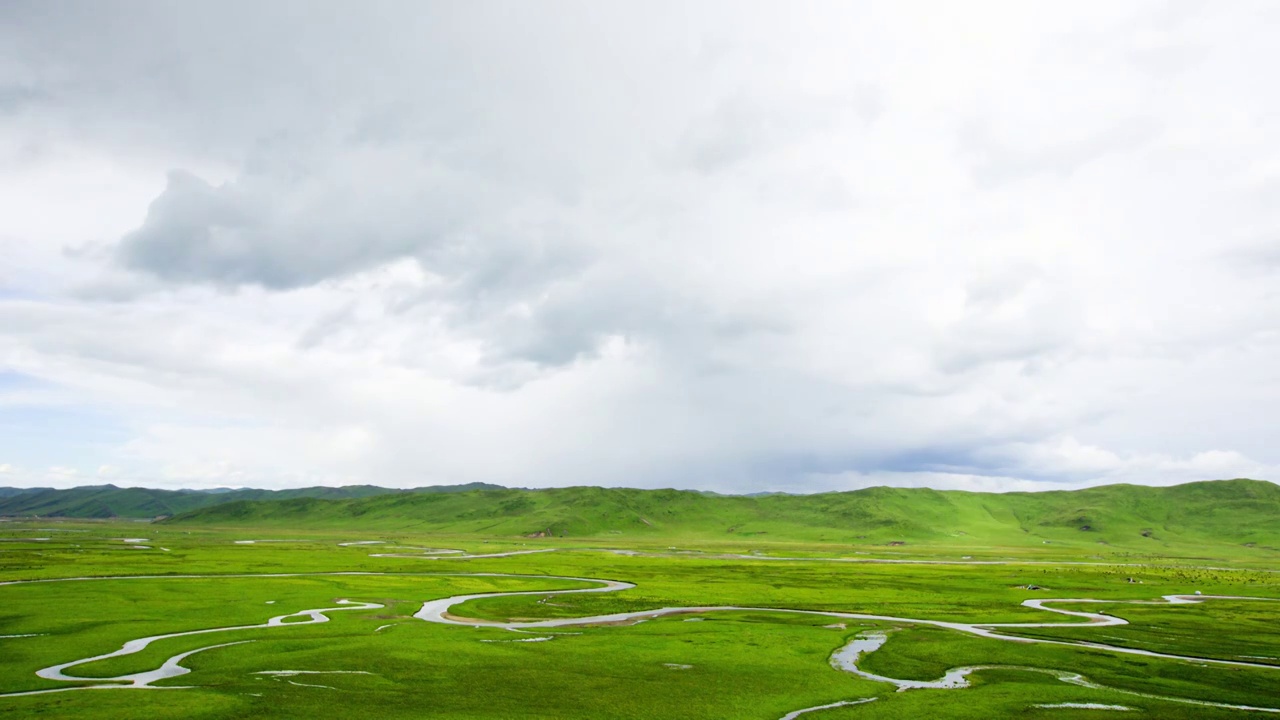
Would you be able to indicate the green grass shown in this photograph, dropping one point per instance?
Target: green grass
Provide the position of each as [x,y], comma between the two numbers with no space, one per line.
[1181,630]
[1224,518]
[749,664]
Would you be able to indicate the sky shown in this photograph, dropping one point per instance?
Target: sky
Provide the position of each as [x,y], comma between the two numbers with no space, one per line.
[732,246]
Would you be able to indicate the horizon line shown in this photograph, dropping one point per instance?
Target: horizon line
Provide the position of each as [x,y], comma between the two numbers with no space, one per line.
[495,487]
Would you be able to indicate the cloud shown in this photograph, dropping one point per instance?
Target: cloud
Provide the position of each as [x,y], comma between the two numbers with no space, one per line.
[14,97]
[286,232]
[995,163]
[741,127]
[62,473]
[937,480]
[725,246]
[1067,457]
[1256,258]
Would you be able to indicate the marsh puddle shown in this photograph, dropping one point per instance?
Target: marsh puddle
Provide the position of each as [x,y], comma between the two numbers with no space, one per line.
[292,673]
[432,554]
[843,703]
[1080,706]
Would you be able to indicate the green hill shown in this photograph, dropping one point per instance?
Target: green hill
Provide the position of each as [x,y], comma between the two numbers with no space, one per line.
[1238,512]
[10,491]
[109,501]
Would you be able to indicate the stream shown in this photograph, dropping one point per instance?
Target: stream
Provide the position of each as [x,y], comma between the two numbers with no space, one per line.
[845,659]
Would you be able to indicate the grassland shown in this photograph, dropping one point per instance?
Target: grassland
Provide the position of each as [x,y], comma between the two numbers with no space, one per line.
[199,574]
[1230,517]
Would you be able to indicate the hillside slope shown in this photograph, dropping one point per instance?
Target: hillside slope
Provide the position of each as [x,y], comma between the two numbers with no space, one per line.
[108,501]
[1239,512]
[11,491]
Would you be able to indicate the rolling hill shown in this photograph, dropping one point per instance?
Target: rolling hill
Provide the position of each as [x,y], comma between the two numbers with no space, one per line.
[10,491]
[1239,512]
[109,501]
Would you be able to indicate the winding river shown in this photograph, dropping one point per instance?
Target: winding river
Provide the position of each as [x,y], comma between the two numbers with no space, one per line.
[442,611]
[172,667]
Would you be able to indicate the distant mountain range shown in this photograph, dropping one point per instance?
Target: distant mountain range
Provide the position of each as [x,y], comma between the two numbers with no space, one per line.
[109,501]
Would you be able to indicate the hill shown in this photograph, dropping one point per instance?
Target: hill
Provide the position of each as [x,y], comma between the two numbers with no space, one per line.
[109,501]
[10,491]
[1239,512]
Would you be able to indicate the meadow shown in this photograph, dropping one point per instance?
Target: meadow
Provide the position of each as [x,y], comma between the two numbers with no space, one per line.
[374,658]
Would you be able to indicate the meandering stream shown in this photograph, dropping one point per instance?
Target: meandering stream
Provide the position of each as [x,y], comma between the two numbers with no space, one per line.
[846,658]
[172,667]
[438,611]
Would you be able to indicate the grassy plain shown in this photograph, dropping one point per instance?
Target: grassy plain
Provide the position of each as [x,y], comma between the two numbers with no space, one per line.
[742,664]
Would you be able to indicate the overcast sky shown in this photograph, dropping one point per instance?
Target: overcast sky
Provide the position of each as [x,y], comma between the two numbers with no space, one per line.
[720,245]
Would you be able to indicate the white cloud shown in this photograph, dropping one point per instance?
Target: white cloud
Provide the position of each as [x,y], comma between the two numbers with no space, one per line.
[839,482]
[1067,457]
[723,246]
